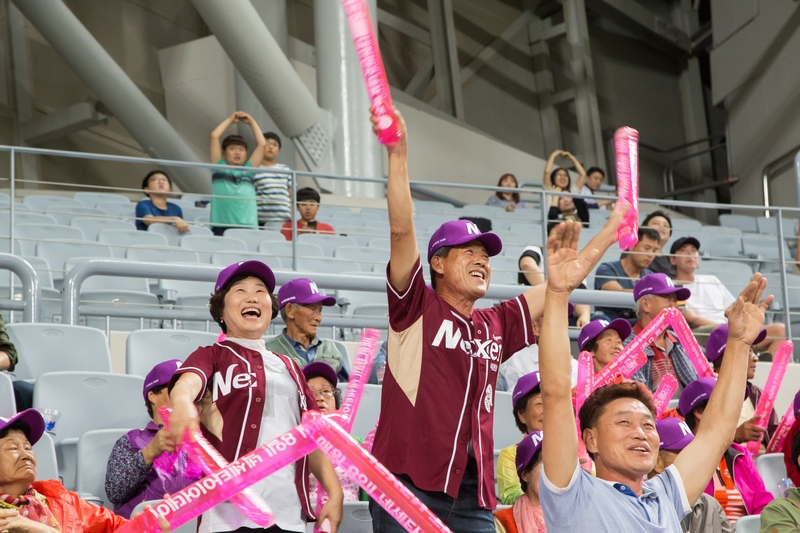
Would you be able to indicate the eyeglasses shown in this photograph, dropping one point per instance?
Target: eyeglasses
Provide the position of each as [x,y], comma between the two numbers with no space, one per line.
[325,393]
[273,143]
[157,179]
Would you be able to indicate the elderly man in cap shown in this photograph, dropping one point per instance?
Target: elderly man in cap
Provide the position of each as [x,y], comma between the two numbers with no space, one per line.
[444,356]
[131,477]
[747,430]
[711,299]
[300,303]
[654,293]
[603,339]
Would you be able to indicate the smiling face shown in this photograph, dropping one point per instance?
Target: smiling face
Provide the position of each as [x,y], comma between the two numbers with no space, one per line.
[235,154]
[17,461]
[624,440]
[465,270]
[561,179]
[609,344]
[661,225]
[248,309]
[533,414]
[686,259]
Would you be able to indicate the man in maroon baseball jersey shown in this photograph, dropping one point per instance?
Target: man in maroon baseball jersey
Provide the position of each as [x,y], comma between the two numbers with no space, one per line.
[443,359]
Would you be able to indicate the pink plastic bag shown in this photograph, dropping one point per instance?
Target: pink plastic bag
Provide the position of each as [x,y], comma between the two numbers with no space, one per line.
[666,389]
[780,362]
[689,343]
[369,55]
[626,147]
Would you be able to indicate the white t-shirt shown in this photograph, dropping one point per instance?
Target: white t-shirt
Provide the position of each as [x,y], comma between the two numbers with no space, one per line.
[710,298]
[281,413]
[526,361]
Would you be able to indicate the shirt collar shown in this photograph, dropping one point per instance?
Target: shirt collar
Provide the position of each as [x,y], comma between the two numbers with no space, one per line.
[295,343]
[627,490]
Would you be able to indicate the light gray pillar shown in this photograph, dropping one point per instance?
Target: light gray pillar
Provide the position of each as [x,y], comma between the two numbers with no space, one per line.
[63,30]
[341,90]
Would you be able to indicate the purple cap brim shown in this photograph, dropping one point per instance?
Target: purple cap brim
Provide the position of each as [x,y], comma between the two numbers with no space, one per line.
[318,368]
[253,267]
[312,299]
[30,417]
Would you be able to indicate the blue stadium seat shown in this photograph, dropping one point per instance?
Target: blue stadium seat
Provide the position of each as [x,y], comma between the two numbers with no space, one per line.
[745,223]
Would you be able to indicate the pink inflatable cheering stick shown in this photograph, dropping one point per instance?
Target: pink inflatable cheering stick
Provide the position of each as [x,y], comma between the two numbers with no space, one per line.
[689,343]
[367,347]
[666,388]
[372,476]
[582,391]
[626,147]
[211,461]
[369,55]
[776,442]
[780,362]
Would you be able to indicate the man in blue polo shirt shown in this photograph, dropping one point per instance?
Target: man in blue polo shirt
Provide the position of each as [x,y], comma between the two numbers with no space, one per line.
[618,422]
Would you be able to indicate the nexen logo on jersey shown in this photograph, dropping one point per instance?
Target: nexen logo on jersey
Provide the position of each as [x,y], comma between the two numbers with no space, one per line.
[222,385]
[485,349]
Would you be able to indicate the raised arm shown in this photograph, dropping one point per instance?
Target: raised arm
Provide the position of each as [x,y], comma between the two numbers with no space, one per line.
[582,177]
[215,149]
[548,167]
[261,143]
[698,461]
[184,414]
[566,269]
[403,245]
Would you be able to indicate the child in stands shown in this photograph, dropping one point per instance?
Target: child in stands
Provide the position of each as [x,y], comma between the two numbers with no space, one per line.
[273,189]
[234,203]
[308,205]
[155,209]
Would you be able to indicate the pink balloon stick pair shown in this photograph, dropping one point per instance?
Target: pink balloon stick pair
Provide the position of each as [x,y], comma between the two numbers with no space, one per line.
[780,362]
[784,427]
[369,55]
[626,147]
[666,389]
[689,343]
[582,391]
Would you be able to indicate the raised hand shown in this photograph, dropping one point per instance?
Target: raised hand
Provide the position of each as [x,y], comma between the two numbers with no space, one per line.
[746,316]
[565,269]
[402,144]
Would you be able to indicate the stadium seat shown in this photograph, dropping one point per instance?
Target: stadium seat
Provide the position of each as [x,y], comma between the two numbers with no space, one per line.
[770,226]
[25,218]
[196,303]
[745,223]
[328,243]
[51,305]
[8,406]
[253,237]
[93,451]
[58,347]
[748,524]
[765,248]
[118,209]
[480,210]
[194,198]
[368,409]
[109,301]
[427,206]
[363,255]
[40,202]
[29,234]
[205,245]
[123,283]
[327,265]
[598,217]
[170,232]
[42,270]
[224,259]
[505,430]
[380,242]
[120,239]
[686,224]
[427,219]
[772,470]
[371,310]
[91,226]
[46,462]
[348,300]
[65,214]
[91,199]
[284,249]
[162,255]
[362,235]
[4,199]
[56,254]
[145,348]
[170,289]
[719,244]
[733,274]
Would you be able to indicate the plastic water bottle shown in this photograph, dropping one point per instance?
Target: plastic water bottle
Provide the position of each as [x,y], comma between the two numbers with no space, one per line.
[380,367]
[784,485]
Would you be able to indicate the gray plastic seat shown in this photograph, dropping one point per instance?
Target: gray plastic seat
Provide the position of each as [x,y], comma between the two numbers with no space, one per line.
[430,206]
[51,306]
[733,274]
[145,348]
[253,237]
[29,234]
[380,242]
[205,245]
[480,210]
[8,406]
[170,232]
[46,462]
[91,199]
[505,431]
[24,218]
[363,255]
[284,249]
[118,209]
[348,300]
[767,247]
[371,310]
[718,243]
[745,223]
[363,234]
[93,451]
[224,259]
[109,301]
[686,224]
[91,226]
[328,243]
[122,283]
[326,265]
[41,267]
[120,239]
[58,347]
[748,524]
[40,202]
[196,303]
[56,254]
[369,410]
[65,214]
[772,469]
[170,289]
[161,255]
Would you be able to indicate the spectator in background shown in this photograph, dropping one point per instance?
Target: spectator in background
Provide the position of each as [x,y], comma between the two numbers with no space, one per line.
[273,189]
[131,477]
[234,195]
[526,514]
[300,303]
[23,391]
[155,209]
[623,274]
[662,223]
[783,514]
[707,515]
[654,293]
[746,431]
[567,208]
[736,485]
[791,466]
[604,340]
[507,200]
[308,201]
[711,299]
[558,179]
[594,180]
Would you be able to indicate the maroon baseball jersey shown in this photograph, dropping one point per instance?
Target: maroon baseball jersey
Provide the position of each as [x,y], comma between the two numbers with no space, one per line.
[438,390]
[234,385]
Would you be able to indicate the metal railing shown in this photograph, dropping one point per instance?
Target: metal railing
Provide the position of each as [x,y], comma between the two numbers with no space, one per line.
[775,168]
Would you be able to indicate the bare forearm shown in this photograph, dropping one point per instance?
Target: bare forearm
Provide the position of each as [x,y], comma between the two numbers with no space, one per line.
[721,416]
[323,470]
[398,194]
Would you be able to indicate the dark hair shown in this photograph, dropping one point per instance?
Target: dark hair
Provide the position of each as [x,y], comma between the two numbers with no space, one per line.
[795,448]
[233,139]
[520,407]
[155,390]
[19,426]
[444,251]
[691,418]
[534,461]
[307,193]
[595,405]
[216,304]
[551,225]
[274,136]
[337,397]
[650,233]
[553,178]
[592,170]
[591,345]
[146,180]
[658,213]
[515,195]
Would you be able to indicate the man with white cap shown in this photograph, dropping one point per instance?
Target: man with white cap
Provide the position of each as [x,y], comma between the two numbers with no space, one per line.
[301,303]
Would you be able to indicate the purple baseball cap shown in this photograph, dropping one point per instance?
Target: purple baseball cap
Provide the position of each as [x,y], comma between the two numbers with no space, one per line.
[31,418]
[696,392]
[252,267]
[526,449]
[718,339]
[524,386]
[458,232]
[318,368]
[797,403]
[659,284]
[302,291]
[593,329]
[674,434]
[161,374]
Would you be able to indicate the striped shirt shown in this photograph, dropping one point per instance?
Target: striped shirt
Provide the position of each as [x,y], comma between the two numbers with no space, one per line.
[272,194]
